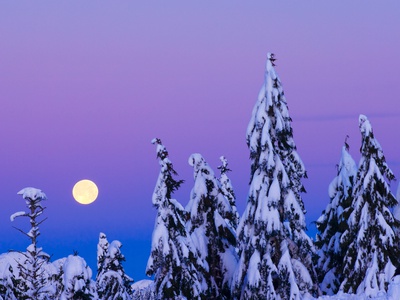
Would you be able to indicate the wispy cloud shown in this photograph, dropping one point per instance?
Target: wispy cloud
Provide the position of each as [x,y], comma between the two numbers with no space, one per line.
[339,117]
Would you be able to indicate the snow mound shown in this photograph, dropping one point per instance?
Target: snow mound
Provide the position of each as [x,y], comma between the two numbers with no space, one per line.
[142,284]
[393,293]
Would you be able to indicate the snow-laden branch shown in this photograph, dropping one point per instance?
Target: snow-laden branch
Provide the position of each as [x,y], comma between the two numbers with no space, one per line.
[17,214]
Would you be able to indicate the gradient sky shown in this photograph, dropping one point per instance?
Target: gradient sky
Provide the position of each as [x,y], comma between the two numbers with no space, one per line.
[86,85]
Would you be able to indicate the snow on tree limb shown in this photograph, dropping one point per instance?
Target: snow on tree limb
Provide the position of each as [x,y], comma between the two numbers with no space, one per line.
[18,214]
[32,193]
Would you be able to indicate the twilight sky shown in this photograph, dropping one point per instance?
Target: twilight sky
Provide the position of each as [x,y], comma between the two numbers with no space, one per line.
[86,85]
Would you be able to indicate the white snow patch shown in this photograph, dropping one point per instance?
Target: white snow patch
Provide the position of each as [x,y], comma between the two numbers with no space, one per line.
[32,193]
[17,214]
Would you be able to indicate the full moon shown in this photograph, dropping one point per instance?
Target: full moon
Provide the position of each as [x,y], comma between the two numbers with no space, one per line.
[85,191]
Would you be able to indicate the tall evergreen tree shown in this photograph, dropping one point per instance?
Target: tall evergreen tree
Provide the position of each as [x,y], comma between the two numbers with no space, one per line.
[332,223]
[275,252]
[211,232]
[173,260]
[33,279]
[372,246]
[112,282]
[230,214]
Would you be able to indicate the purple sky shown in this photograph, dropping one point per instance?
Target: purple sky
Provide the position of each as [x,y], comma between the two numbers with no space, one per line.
[86,85]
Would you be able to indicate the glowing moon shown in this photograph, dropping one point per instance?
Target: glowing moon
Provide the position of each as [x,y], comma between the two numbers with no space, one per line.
[85,191]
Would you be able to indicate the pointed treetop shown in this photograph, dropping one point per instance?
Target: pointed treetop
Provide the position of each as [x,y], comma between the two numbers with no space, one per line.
[346,145]
[348,162]
[197,161]
[156,141]
[115,249]
[102,249]
[32,193]
[347,168]
[364,125]
[224,167]
[161,150]
[370,147]
[103,242]
[271,58]
[166,183]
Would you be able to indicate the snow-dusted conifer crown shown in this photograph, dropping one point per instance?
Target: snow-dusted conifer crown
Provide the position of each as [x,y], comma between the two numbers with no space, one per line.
[364,124]
[32,193]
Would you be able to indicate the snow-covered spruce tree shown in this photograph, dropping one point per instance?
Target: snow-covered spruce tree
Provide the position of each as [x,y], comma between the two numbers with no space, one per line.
[33,279]
[230,214]
[372,246]
[332,223]
[275,253]
[77,282]
[111,281]
[212,234]
[173,259]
